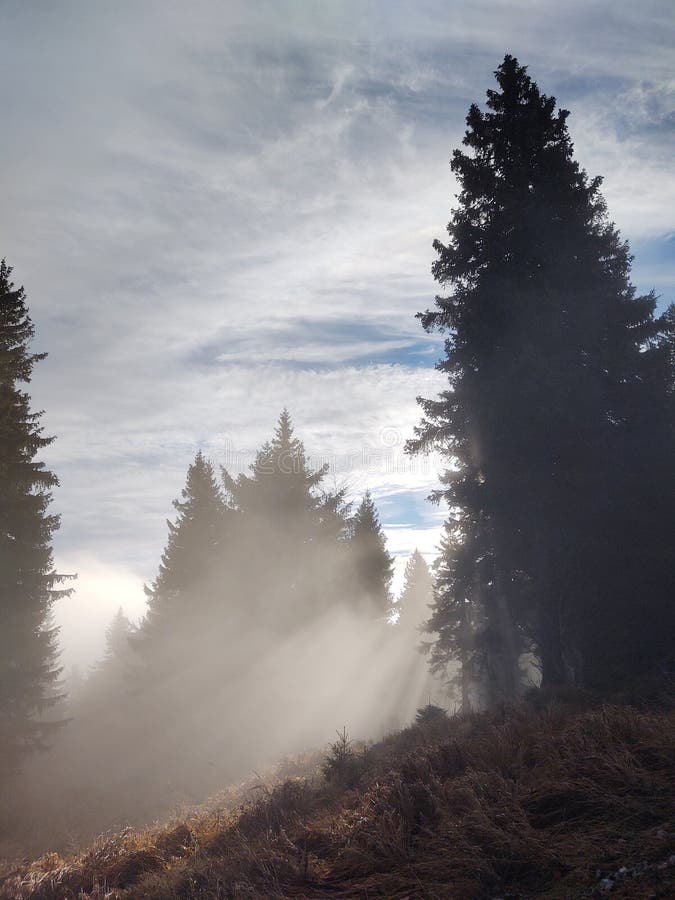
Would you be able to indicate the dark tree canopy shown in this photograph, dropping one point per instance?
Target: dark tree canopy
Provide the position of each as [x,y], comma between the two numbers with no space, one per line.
[555,401]
[28,652]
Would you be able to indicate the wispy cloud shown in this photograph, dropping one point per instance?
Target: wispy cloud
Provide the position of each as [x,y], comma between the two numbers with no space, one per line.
[218,209]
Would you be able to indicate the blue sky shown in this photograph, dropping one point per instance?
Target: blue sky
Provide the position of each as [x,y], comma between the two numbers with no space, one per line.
[218,209]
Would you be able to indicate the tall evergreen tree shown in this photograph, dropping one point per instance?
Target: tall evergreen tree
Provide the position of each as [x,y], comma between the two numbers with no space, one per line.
[282,485]
[417,594]
[291,530]
[196,544]
[28,650]
[467,627]
[555,380]
[373,565]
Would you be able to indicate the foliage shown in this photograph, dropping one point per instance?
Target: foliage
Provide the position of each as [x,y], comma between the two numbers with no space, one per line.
[539,803]
[28,651]
[195,542]
[286,513]
[556,421]
[417,595]
[429,714]
[343,766]
[372,564]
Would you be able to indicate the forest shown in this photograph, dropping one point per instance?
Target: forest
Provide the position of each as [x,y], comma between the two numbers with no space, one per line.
[271,620]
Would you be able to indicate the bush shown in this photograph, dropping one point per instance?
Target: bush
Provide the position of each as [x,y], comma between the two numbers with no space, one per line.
[430,714]
[343,766]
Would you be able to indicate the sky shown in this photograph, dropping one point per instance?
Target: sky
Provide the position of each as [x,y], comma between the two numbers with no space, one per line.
[219,209]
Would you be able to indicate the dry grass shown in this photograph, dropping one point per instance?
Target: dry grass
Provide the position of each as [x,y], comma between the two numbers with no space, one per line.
[525,803]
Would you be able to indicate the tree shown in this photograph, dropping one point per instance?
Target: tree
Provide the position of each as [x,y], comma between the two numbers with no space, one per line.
[291,533]
[117,636]
[373,566]
[108,683]
[180,595]
[417,594]
[282,483]
[552,363]
[28,650]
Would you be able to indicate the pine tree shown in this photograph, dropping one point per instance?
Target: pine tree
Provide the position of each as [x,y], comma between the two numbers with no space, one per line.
[282,484]
[180,594]
[464,622]
[117,644]
[109,681]
[28,651]
[550,358]
[417,594]
[295,525]
[373,566]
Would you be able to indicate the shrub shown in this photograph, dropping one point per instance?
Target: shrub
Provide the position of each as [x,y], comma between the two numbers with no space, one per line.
[343,766]
[430,714]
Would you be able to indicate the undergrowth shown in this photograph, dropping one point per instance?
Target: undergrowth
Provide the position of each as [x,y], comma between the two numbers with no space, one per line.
[549,802]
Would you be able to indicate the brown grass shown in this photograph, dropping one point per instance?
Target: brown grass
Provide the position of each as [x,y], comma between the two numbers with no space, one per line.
[523,803]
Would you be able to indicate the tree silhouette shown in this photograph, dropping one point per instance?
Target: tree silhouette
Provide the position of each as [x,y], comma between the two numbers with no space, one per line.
[181,598]
[417,594]
[295,526]
[28,651]
[373,566]
[555,378]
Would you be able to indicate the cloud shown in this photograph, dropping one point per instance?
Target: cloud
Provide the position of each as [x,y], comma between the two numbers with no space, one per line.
[224,209]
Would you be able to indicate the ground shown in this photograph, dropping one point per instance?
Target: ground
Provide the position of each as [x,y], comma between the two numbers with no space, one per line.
[554,800]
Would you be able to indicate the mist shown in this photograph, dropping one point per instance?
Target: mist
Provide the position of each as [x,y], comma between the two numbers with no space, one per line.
[270,626]
[339,402]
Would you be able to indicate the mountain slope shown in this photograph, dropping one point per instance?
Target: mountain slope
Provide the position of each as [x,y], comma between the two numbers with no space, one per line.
[552,802]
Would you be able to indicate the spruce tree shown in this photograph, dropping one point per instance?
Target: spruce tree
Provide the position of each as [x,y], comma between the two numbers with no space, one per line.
[373,566]
[181,593]
[282,485]
[290,536]
[28,651]
[117,636]
[110,679]
[465,620]
[417,594]
[554,382]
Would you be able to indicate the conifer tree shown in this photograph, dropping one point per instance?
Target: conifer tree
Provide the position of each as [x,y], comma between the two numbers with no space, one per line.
[417,594]
[465,625]
[117,636]
[109,680]
[373,565]
[196,543]
[28,651]
[282,484]
[552,366]
[288,518]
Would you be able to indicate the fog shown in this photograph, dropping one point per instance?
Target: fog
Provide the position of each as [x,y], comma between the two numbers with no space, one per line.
[271,624]
[235,209]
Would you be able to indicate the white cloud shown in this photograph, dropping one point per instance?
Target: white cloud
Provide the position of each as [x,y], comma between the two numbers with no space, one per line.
[224,209]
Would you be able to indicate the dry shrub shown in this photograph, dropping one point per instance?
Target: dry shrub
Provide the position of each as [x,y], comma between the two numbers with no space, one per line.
[276,808]
[508,802]
[112,862]
[175,841]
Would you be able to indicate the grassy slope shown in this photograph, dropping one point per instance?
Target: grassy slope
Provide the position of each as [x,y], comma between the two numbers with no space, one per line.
[547,802]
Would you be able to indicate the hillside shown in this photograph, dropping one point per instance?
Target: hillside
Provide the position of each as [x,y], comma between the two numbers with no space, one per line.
[554,801]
